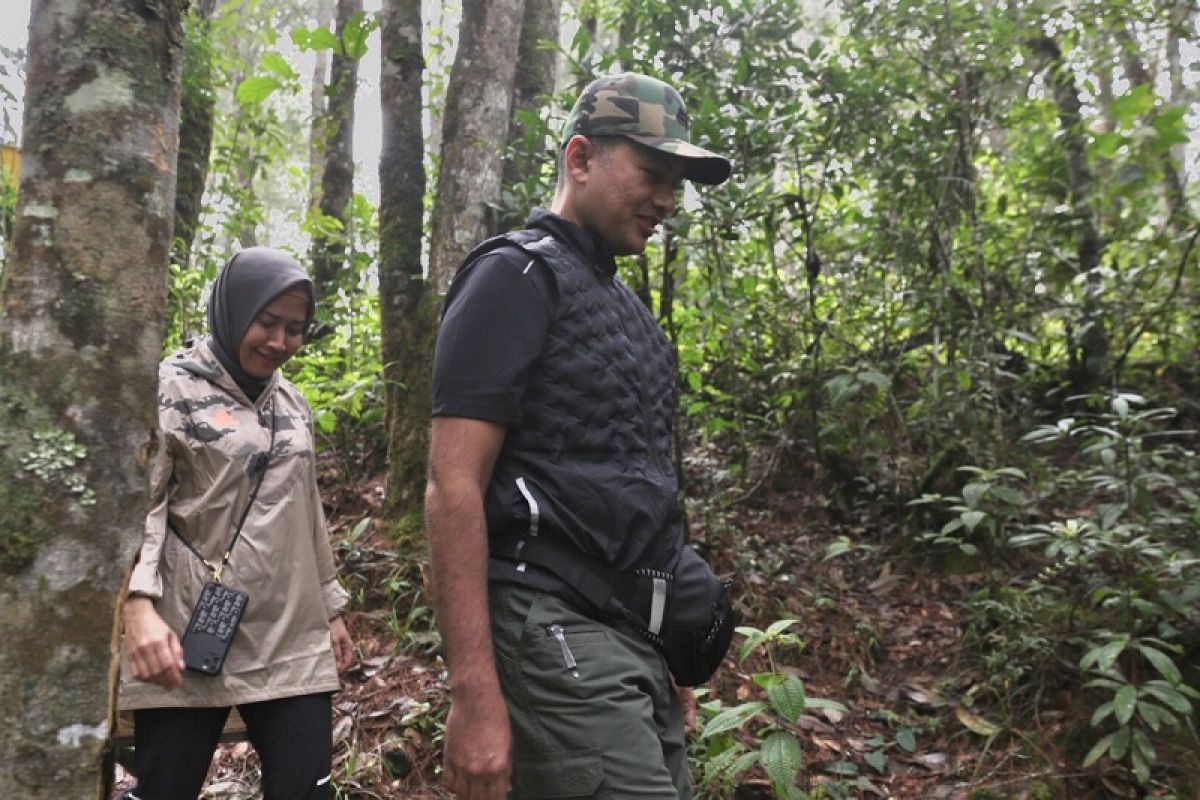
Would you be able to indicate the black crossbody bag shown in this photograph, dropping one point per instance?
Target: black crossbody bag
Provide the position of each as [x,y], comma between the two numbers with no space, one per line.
[218,612]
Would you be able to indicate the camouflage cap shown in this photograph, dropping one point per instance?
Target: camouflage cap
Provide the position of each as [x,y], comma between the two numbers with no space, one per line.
[648,111]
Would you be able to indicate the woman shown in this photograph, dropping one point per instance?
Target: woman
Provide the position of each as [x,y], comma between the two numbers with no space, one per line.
[235,502]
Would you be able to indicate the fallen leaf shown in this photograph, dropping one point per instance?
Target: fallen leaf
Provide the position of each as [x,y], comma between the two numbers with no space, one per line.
[975,723]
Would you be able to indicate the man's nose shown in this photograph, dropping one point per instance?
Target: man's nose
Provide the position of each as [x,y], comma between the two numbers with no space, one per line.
[664,201]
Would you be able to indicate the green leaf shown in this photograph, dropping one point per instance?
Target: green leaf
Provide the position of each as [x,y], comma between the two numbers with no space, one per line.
[1169,696]
[876,379]
[973,492]
[1120,744]
[787,697]
[256,89]
[732,718]
[1106,145]
[754,638]
[1124,703]
[839,546]
[277,64]
[951,526]
[1099,749]
[781,758]
[972,518]
[779,626]
[1171,129]
[1102,711]
[876,759]
[907,739]
[1153,715]
[1128,107]
[820,702]
[316,39]
[1162,662]
[1104,657]
[1007,495]
[1142,755]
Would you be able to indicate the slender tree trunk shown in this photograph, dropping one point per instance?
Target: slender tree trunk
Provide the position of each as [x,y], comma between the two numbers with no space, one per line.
[337,182]
[1180,29]
[80,335]
[317,105]
[195,128]
[408,309]
[1136,72]
[1089,365]
[537,62]
[474,130]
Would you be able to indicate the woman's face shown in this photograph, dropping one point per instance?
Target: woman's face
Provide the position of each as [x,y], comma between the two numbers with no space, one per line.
[274,335]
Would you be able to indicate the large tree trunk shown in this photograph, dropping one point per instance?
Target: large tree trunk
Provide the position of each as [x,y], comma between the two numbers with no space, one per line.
[537,61]
[474,131]
[80,338]
[195,128]
[408,309]
[337,134]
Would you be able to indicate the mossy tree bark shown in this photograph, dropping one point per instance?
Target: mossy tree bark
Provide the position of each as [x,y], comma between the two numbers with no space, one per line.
[80,335]
[337,135]
[408,308]
[533,84]
[474,132]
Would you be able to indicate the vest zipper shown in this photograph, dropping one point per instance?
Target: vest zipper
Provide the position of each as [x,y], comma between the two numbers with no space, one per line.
[557,632]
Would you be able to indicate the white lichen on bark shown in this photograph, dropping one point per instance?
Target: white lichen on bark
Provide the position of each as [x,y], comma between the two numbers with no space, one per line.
[110,90]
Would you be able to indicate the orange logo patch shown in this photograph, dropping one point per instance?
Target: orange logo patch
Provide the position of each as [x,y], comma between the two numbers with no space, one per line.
[224,419]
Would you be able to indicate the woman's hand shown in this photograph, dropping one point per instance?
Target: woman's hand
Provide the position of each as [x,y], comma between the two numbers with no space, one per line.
[155,655]
[343,648]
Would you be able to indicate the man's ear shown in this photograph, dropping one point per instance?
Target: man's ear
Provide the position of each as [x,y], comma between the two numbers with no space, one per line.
[578,158]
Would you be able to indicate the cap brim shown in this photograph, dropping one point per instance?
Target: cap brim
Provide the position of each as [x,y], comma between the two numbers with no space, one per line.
[700,165]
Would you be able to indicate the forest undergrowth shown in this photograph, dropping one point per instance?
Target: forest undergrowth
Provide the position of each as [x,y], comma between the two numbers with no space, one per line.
[898,696]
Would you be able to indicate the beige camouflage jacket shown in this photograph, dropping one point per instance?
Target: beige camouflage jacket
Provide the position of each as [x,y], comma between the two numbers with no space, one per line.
[200,482]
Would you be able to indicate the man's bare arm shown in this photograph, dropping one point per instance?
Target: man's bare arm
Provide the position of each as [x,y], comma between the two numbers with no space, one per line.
[478,749]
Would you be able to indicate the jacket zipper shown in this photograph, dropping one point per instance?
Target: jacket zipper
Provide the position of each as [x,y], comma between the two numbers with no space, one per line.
[557,632]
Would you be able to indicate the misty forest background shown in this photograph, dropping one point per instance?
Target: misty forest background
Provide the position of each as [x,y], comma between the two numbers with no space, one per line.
[937,343]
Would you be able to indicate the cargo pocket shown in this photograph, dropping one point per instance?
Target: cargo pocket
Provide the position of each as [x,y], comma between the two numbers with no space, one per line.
[571,773]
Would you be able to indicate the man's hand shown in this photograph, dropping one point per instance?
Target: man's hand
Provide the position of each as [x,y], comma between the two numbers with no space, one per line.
[687,698]
[477,758]
[154,652]
[343,647]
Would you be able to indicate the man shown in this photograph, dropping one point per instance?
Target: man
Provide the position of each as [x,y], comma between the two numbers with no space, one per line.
[554,390]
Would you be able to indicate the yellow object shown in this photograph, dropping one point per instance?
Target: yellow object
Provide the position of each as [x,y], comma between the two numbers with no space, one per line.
[10,160]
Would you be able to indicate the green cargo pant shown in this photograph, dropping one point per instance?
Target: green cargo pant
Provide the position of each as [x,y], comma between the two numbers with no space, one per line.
[592,708]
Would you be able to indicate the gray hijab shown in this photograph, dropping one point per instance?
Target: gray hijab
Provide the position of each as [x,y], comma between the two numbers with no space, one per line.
[245,285]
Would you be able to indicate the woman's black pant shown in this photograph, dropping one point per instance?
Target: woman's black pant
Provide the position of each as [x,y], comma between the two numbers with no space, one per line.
[173,747]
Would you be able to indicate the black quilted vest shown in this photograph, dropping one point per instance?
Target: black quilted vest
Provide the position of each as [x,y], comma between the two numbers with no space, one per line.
[590,463]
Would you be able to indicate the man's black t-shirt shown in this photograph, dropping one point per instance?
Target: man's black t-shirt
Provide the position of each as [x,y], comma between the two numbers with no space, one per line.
[495,326]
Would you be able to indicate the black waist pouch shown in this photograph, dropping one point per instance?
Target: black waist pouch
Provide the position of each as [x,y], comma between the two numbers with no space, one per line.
[686,612]
[698,620]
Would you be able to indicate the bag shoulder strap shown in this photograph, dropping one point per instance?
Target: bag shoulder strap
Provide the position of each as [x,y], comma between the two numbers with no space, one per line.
[259,465]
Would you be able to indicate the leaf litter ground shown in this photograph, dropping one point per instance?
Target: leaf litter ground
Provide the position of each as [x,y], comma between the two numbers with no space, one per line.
[882,636]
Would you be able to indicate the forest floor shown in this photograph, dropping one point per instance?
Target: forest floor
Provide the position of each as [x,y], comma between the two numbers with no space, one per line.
[883,637]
